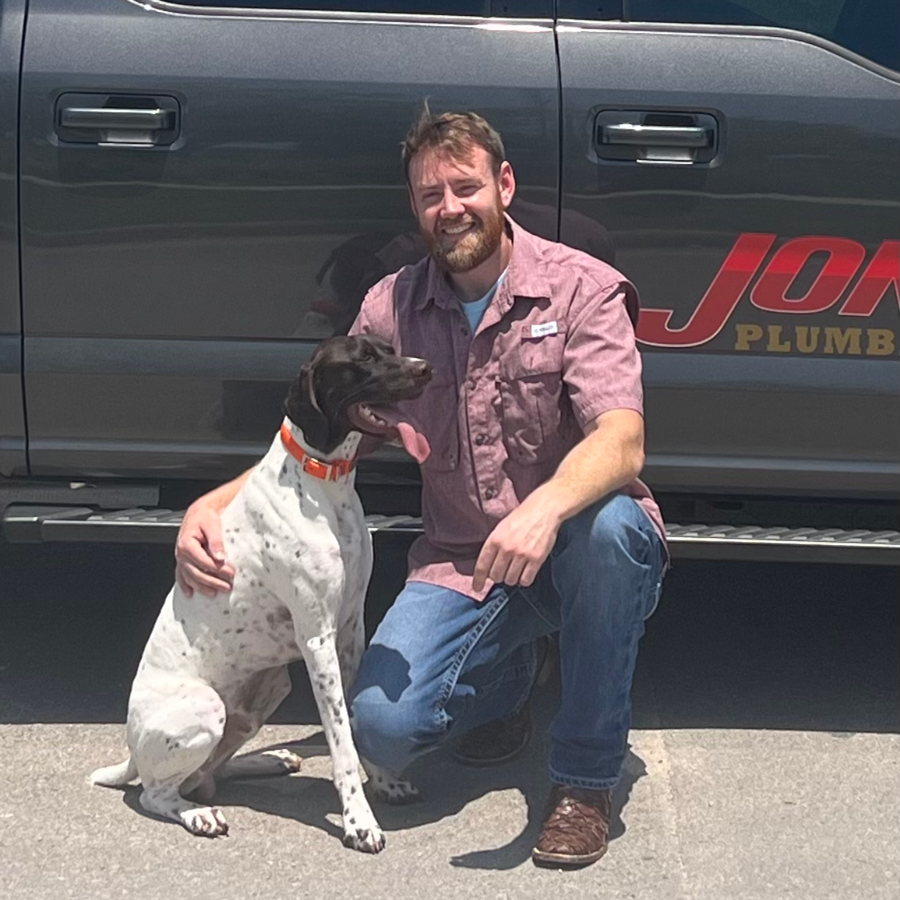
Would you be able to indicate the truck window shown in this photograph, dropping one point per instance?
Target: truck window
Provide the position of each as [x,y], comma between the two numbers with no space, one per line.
[422,7]
[870,28]
[505,8]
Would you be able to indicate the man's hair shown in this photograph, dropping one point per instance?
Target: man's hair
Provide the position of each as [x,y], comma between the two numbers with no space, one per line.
[453,133]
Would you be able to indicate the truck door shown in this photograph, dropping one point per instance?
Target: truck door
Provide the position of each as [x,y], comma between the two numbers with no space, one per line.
[743,157]
[206,192]
[12,417]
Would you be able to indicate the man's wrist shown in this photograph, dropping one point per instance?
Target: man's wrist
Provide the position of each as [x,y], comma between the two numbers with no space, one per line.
[552,503]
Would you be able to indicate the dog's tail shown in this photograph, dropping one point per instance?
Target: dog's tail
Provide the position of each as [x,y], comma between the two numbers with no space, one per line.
[113,776]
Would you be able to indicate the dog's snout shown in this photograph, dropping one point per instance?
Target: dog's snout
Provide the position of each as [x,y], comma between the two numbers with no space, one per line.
[418,366]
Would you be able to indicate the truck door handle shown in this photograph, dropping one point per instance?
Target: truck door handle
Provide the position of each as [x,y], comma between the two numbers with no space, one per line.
[655,135]
[117,119]
[124,120]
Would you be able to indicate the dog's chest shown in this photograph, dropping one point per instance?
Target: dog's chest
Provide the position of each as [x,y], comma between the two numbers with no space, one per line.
[304,544]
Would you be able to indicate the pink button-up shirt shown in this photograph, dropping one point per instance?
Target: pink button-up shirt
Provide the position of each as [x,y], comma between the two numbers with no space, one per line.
[554,350]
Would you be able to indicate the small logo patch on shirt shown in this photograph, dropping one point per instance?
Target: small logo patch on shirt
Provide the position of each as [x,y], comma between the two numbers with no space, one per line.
[544,328]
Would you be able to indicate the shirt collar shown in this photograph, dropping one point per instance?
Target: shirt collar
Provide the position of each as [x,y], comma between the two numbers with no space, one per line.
[524,275]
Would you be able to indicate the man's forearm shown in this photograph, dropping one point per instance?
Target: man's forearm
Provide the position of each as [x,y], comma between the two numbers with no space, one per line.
[608,458]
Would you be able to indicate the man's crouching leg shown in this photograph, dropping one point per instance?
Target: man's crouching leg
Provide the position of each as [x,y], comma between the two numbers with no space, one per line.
[607,572]
[438,664]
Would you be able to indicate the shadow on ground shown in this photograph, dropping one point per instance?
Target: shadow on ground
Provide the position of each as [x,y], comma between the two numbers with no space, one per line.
[733,645]
[447,788]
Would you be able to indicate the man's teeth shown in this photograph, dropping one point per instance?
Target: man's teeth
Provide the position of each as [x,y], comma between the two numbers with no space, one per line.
[457,229]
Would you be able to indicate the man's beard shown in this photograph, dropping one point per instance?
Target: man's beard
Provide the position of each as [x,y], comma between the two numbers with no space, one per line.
[478,245]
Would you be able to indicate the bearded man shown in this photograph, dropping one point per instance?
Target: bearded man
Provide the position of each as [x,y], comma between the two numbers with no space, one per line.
[535,521]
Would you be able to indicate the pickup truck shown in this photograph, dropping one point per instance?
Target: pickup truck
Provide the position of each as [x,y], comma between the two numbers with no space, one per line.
[192,194]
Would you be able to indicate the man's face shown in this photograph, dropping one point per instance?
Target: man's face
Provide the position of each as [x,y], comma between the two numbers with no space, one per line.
[459,204]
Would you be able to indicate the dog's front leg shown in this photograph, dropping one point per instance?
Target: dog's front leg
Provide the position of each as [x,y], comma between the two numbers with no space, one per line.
[386,786]
[361,829]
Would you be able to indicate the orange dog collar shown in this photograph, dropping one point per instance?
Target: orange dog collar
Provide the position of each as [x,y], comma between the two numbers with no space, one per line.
[327,471]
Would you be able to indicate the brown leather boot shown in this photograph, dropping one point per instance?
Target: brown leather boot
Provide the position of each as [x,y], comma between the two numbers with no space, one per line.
[576,828]
[502,740]
[497,742]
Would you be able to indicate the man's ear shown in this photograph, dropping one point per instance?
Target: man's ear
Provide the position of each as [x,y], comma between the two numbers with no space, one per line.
[507,184]
[302,408]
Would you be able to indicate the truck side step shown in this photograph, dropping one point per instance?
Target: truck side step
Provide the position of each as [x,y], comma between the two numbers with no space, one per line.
[39,523]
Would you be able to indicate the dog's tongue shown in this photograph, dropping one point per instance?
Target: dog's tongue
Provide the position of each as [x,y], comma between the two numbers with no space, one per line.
[415,444]
[393,426]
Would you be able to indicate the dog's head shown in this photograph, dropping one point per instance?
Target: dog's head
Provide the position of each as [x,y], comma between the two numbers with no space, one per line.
[354,384]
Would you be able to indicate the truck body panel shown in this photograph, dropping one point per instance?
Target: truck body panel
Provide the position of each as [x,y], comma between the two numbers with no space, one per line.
[191,197]
[172,291]
[755,375]
[12,411]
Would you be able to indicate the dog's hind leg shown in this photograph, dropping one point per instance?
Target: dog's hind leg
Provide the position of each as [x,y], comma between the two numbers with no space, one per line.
[361,828]
[261,764]
[258,699]
[171,738]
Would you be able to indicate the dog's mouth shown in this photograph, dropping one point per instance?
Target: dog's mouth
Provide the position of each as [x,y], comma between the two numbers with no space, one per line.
[367,419]
[387,423]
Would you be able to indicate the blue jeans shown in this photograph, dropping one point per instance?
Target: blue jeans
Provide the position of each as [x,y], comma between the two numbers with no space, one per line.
[441,664]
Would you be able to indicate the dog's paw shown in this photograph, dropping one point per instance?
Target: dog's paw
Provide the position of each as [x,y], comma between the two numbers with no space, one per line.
[287,760]
[206,821]
[366,840]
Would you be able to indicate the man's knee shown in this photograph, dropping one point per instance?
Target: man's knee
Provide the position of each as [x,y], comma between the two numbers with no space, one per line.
[613,528]
[391,734]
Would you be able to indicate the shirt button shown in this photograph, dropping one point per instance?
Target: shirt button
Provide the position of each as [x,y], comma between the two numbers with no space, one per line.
[481,439]
[489,494]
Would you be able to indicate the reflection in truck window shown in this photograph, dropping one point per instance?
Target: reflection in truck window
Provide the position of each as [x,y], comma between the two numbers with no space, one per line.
[870,28]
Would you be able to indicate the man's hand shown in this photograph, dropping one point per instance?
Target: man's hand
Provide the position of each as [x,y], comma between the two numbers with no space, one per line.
[610,456]
[200,553]
[517,548]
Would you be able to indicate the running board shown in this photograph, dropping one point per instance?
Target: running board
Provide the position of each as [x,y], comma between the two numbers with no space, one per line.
[27,523]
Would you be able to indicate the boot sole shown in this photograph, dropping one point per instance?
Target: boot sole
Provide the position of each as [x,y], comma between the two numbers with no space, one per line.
[482,762]
[565,860]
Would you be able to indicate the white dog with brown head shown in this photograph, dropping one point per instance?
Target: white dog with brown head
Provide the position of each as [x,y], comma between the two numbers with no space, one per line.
[215,668]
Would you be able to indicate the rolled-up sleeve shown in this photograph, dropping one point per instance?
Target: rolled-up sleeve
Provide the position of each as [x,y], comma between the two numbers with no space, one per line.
[601,362]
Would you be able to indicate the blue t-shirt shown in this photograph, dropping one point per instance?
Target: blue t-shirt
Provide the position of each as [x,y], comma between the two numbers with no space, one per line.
[474,309]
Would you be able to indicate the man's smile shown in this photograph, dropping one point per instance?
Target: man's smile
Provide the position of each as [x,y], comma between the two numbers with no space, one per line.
[458,229]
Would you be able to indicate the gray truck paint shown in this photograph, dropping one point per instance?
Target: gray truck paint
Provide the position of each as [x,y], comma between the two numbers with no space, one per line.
[12,415]
[171,291]
[808,145]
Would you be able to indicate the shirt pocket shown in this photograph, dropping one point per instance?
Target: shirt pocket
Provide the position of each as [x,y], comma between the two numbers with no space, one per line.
[440,425]
[531,391]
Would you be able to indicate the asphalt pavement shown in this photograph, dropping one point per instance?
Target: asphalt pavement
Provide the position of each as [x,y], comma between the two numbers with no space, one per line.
[763,764]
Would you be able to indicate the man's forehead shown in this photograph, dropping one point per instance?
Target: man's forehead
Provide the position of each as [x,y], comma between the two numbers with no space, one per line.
[433,165]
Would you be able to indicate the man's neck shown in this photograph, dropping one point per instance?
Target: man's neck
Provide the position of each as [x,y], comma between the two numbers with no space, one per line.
[474,284]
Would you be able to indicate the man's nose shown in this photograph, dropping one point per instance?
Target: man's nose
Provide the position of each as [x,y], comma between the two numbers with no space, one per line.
[452,205]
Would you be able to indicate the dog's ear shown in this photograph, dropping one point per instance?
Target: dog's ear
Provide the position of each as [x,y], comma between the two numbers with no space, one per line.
[303,409]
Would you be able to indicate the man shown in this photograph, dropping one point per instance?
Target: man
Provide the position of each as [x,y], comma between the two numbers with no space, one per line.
[534,519]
